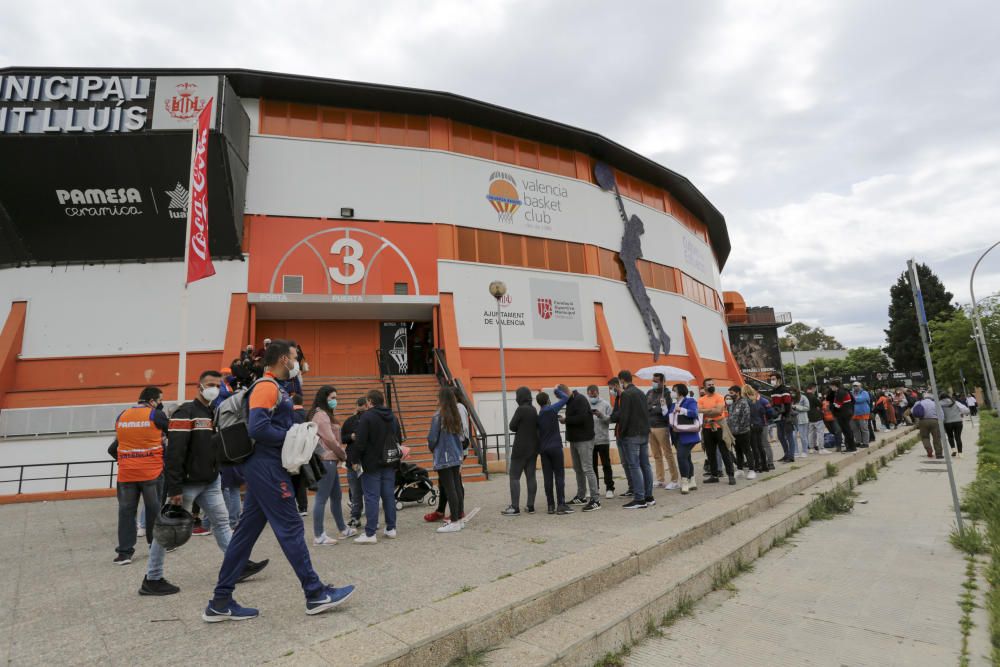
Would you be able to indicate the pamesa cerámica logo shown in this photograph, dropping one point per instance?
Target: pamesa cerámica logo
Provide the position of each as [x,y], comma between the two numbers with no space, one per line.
[536,200]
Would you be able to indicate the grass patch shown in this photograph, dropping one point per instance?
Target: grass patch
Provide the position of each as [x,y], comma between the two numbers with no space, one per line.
[685,607]
[504,576]
[831,470]
[839,500]
[616,659]
[537,540]
[967,602]
[970,540]
[474,659]
[867,474]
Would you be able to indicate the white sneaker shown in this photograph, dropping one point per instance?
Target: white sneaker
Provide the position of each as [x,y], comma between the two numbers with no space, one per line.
[658,484]
[954,453]
[391,534]
[609,494]
[961,455]
[348,532]
[692,483]
[751,474]
[671,486]
[738,473]
[365,539]
[452,527]
[824,451]
[684,485]
[140,531]
[324,540]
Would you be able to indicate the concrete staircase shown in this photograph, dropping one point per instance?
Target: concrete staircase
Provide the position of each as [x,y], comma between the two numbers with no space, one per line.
[417,404]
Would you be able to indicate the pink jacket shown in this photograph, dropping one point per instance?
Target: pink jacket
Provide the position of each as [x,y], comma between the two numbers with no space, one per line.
[329,448]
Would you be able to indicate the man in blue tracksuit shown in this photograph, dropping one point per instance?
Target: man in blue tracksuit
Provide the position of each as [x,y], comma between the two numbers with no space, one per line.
[270,497]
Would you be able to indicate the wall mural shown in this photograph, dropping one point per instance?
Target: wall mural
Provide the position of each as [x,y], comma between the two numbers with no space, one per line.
[631,251]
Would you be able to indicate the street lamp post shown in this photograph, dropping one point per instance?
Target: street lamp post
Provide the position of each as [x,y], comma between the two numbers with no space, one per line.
[977,329]
[498,289]
[794,342]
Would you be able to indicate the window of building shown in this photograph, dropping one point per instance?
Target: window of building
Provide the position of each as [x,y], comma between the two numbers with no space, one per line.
[488,244]
[527,154]
[558,261]
[364,126]
[577,258]
[333,124]
[302,120]
[460,138]
[513,249]
[392,128]
[401,288]
[505,151]
[535,252]
[481,142]
[466,244]
[418,131]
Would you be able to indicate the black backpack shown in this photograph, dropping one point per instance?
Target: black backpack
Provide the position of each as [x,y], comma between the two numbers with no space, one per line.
[391,453]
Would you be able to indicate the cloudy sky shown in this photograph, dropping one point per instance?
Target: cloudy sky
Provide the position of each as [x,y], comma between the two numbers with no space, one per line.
[838,138]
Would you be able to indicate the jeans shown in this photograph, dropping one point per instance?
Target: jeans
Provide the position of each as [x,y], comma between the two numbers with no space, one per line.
[553,471]
[859,429]
[450,480]
[527,468]
[815,431]
[604,452]
[785,430]
[213,506]
[659,443]
[328,489]
[128,504]
[583,465]
[379,485]
[355,494]
[636,450]
[714,443]
[684,459]
[234,505]
[954,432]
[760,447]
[802,436]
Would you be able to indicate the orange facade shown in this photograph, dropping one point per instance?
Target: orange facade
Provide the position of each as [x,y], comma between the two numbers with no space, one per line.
[336,348]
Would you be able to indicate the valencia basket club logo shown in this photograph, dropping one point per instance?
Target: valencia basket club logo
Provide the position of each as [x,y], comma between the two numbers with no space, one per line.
[503,196]
[186,104]
[545,308]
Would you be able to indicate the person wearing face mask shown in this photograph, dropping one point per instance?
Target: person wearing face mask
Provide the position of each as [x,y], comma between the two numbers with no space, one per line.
[580,436]
[781,401]
[270,499]
[713,408]
[332,453]
[658,398]
[601,412]
[615,392]
[191,471]
[138,446]
[862,415]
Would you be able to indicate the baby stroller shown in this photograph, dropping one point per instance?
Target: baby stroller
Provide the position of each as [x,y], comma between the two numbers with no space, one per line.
[413,485]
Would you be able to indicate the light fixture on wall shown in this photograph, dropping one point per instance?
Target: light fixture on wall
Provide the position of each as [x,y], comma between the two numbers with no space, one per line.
[347,213]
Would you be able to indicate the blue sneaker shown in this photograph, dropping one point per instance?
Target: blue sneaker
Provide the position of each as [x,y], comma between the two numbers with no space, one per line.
[328,599]
[230,612]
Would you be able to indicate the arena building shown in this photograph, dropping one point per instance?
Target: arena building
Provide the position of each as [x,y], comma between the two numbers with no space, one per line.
[364,221]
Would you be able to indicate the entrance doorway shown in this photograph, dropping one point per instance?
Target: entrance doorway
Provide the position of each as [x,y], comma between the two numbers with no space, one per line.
[348,348]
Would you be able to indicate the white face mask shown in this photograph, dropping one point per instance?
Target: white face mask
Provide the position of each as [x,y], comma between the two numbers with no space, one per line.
[210,393]
[673,396]
[294,371]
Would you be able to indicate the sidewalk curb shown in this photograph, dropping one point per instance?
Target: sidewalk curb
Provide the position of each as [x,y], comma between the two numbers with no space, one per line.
[501,610]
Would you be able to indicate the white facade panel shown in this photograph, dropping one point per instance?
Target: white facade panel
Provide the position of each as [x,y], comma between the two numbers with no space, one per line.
[119,309]
[314,178]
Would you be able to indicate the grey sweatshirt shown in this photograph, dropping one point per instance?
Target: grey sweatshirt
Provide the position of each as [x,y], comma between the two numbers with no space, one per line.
[601,421]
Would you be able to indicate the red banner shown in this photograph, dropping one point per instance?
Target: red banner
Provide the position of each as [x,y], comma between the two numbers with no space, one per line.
[199,262]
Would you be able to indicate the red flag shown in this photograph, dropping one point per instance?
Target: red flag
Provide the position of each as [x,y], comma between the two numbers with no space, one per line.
[199,262]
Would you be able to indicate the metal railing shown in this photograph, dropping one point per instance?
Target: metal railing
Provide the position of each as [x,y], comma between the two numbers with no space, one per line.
[391,394]
[477,433]
[20,479]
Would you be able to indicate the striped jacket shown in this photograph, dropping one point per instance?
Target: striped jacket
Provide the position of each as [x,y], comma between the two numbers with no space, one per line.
[191,454]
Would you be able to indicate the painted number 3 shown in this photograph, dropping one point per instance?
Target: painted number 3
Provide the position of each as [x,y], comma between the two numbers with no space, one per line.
[351,252]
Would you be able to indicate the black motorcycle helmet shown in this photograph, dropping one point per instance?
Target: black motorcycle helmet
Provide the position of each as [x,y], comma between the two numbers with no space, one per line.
[173,526]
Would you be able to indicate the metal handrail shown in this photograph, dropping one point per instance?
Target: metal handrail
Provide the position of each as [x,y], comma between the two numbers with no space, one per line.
[446,378]
[392,394]
[21,479]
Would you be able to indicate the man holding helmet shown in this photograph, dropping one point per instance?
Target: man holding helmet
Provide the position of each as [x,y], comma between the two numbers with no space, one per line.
[191,470]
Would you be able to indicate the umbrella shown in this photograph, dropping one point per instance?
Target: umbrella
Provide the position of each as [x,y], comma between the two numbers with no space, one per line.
[670,373]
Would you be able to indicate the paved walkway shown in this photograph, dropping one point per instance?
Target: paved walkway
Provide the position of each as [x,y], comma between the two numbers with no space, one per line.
[876,587]
[56,574]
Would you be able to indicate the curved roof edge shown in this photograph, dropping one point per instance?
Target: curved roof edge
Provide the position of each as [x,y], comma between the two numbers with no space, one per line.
[399,99]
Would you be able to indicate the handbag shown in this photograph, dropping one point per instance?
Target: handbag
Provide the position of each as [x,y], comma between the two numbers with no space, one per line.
[684,424]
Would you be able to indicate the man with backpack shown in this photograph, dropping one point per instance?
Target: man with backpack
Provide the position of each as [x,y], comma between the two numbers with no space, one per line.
[270,497]
[376,451]
[192,475]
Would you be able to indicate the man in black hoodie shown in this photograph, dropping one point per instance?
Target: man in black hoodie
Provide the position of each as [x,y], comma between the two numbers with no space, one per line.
[580,436]
[842,406]
[376,426]
[633,442]
[524,454]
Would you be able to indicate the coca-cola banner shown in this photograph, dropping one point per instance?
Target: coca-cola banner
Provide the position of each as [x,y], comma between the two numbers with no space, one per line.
[199,261]
[95,197]
[63,102]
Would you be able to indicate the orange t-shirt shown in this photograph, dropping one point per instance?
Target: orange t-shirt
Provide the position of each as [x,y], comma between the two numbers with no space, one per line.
[712,402]
[140,445]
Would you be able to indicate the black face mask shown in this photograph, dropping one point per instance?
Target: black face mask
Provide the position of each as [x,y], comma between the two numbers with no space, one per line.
[710,390]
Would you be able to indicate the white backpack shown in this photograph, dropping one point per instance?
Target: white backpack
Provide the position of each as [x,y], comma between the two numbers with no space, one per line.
[300,443]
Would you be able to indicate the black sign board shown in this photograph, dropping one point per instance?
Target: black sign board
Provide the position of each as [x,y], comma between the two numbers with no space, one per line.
[393,341]
[756,350]
[94,197]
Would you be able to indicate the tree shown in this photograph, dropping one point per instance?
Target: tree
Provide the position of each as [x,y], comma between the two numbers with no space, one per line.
[954,350]
[902,336]
[862,359]
[809,338]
